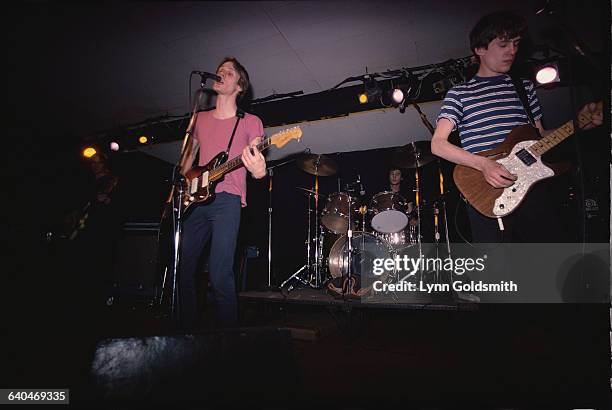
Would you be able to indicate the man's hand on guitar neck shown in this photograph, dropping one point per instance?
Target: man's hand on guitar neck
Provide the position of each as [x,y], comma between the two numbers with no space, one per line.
[253,160]
[591,110]
[596,114]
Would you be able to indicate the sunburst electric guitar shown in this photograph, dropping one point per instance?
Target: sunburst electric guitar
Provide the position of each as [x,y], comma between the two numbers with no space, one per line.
[201,181]
[521,155]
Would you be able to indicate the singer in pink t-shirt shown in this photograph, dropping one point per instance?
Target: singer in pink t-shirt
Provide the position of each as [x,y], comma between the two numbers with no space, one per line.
[213,134]
[219,221]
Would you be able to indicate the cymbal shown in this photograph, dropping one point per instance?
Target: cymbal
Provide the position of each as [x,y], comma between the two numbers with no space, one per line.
[413,155]
[310,191]
[318,164]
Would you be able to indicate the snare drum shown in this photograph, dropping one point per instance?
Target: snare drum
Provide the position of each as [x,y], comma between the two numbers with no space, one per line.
[336,213]
[395,238]
[407,236]
[390,212]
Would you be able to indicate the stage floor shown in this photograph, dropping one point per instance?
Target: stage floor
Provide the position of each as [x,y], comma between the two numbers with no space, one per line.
[309,296]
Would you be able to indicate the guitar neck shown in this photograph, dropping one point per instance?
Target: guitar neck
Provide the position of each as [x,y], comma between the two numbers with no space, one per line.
[558,135]
[235,162]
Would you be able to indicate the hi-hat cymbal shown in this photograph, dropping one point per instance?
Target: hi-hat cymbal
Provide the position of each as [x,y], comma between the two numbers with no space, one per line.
[317,164]
[311,192]
[413,155]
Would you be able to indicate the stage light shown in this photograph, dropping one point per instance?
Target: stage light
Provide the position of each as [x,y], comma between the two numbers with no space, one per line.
[89,152]
[400,90]
[441,86]
[547,74]
[397,95]
[143,139]
[114,146]
[372,90]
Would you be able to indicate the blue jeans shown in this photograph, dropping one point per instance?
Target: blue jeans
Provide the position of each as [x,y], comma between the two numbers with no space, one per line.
[218,221]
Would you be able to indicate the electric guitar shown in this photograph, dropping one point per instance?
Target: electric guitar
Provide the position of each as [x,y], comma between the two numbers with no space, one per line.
[201,180]
[77,221]
[521,155]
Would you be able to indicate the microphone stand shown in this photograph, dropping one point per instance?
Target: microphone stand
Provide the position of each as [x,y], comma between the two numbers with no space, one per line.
[579,48]
[270,187]
[175,197]
[576,46]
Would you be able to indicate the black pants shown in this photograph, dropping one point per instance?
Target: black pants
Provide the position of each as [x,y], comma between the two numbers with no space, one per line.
[538,219]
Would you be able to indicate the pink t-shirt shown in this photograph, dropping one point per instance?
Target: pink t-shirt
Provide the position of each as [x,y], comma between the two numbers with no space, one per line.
[214,135]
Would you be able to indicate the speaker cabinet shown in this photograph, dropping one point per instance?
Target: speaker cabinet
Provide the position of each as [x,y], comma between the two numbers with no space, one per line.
[136,260]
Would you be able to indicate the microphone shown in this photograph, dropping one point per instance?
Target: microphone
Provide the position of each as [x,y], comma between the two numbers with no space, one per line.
[361,190]
[204,74]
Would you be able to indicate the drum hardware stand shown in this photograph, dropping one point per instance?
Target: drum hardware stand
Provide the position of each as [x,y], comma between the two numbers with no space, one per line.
[417,202]
[443,199]
[270,211]
[314,270]
[349,239]
[436,239]
[362,210]
[308,265]
[442,193]
[442,196]
[316,273]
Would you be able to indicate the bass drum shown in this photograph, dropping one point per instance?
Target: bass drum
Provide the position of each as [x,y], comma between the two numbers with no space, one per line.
[366,247]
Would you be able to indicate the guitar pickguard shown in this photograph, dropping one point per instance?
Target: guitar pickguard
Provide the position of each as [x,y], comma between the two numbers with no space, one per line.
[527,175]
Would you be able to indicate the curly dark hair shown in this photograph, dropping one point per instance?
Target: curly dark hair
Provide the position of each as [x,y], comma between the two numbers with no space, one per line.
[394,168]
[503,24]
[243,81]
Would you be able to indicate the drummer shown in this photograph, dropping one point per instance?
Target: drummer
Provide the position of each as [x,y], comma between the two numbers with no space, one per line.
[395,185]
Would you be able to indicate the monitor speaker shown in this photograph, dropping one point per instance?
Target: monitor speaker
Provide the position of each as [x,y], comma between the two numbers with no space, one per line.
[225,366]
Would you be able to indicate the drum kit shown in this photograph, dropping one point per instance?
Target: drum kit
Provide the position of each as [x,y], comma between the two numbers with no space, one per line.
[349,232]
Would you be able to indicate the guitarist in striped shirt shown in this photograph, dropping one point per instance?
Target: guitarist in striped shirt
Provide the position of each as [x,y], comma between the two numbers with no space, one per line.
[484,111]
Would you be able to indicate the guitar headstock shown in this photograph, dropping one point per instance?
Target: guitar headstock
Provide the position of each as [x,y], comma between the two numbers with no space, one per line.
[283,137]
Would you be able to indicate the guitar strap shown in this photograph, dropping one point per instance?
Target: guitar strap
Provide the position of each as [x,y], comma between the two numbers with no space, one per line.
[239,115]
[522,93]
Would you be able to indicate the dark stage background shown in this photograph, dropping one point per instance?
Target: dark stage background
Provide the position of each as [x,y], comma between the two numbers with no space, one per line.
[53,307]
[56,180]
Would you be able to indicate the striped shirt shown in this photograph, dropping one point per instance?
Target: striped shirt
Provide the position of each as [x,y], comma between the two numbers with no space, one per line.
[486,109]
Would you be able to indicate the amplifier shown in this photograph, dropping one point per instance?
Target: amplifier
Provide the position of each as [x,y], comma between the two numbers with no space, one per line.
[136,260]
